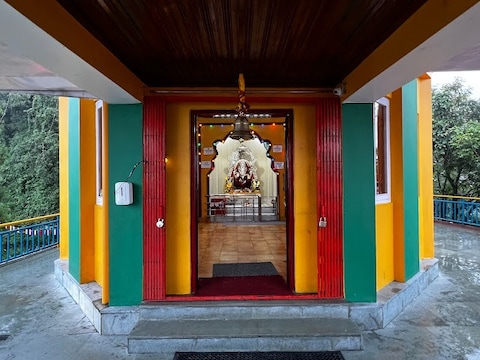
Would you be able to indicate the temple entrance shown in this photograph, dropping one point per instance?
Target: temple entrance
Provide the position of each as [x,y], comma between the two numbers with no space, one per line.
[318,247]
[240,240]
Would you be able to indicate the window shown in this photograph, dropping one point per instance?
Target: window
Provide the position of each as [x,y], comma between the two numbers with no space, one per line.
[381,128]
[99,151]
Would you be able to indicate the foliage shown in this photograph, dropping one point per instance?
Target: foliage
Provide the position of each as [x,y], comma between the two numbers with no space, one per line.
[456,130]
[28,156]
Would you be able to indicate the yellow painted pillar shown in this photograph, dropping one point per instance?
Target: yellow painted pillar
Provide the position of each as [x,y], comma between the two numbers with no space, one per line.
[63,176]
[87,189]
[425,167]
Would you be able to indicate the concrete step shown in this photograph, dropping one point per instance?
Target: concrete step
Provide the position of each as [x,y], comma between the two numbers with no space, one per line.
[222,310]
[301,334]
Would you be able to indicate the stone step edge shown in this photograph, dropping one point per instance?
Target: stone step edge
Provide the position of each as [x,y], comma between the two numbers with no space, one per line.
[242,311]
[206,329]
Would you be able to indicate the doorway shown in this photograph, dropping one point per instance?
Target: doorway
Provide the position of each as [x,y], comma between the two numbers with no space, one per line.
[242,237]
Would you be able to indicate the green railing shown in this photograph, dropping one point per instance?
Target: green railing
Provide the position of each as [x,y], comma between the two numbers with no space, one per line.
[24,237]
[457,209]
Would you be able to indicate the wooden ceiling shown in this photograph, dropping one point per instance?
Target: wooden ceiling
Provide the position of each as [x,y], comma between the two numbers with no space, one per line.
[275,43]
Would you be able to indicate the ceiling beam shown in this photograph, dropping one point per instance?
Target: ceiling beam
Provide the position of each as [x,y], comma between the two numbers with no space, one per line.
[49,35]
[423,42]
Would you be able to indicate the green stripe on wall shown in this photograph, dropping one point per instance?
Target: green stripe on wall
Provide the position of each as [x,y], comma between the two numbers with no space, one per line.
[359,202]
[125,222]
[410,178]
[74,187]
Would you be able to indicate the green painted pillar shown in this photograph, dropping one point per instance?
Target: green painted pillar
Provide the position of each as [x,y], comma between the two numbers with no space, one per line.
[125,150]
[359,202]
[74,227]
[410,178]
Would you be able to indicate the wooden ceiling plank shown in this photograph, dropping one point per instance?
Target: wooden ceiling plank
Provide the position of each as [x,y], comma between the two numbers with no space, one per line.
[278,43]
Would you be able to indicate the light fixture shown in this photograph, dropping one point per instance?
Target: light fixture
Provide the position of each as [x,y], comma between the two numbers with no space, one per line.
[241,129]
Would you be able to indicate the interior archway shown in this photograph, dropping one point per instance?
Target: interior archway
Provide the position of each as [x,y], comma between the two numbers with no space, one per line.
[241,226]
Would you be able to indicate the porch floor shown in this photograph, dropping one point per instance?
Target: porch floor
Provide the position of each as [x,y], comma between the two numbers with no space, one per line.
[227,243]
[442,323]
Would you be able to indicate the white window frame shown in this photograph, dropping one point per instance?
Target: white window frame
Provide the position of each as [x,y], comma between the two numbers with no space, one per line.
[385,197]
[99,139]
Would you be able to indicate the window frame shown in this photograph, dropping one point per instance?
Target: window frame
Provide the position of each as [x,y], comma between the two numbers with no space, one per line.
[99,140]
[384,197]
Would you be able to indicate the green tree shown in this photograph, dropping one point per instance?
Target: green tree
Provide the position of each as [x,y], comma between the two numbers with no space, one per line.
[466,144]
[454,111]
[29,165]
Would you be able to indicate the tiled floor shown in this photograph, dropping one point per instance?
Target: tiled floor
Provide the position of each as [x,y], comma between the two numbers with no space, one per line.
[234,243]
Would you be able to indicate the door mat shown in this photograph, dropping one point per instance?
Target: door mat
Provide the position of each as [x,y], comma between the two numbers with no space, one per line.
[273,285]
[244,269]
[314,355]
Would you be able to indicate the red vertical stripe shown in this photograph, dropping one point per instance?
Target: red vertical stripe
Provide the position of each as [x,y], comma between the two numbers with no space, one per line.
[154,183]
[330,204]
[290,201]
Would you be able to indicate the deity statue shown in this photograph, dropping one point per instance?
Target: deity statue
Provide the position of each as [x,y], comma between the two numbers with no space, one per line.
[242,173]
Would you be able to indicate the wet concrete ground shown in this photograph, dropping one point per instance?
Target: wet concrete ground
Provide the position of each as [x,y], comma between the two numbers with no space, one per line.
[39,320]
[444,321]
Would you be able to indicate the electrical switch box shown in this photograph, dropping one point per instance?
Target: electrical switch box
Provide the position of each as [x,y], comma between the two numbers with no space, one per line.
[123,193]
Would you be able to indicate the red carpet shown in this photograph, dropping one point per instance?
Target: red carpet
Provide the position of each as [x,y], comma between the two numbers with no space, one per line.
[242,285]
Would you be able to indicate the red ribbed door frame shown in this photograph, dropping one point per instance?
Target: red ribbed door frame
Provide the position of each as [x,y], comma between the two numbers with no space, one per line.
[329,198]
[154,198]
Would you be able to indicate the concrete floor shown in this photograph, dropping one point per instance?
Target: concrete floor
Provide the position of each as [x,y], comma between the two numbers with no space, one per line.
[39,320]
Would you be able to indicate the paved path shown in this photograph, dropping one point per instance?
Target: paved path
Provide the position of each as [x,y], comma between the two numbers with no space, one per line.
[39,320]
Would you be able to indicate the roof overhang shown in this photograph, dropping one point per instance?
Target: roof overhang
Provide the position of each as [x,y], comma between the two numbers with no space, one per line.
[34,61]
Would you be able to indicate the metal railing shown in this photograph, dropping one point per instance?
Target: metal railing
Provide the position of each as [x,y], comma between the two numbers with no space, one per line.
[24,237]
[457,209]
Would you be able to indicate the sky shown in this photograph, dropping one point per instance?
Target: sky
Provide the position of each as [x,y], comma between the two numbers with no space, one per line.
[471,80]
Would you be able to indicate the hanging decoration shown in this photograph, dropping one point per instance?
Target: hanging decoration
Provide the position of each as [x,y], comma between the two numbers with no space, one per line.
[241,130]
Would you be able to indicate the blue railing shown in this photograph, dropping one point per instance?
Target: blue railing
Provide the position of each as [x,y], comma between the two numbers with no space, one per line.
[457,209]
[25,237]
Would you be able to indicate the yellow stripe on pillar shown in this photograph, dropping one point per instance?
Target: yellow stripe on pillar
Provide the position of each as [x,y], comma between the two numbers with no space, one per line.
[63,176]
[87,189]
[425,167]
